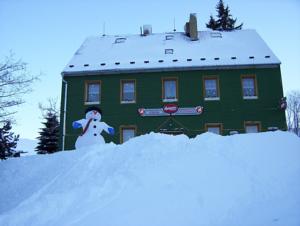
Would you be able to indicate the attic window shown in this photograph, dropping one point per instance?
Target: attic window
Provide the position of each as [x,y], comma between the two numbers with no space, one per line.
[169,37]
[132,62]
[120,40]
[169,51]
[217,58]
[189,59]
[251,57]
[117,63]
[86,65]
[71,65]
[267,56]
[160,61]
[203,59]
[146,61]
[216,34]
[233,58]
[103,64]
[175,60]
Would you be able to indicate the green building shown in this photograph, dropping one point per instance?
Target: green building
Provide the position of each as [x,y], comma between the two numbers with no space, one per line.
[178,82]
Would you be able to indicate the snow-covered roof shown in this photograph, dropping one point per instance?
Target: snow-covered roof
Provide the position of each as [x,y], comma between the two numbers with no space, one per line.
[169,51]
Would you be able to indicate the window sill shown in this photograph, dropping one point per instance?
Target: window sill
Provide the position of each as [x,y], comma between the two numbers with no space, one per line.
[250,98]
[170,100]
[128,102]
[91,103]
[212,98]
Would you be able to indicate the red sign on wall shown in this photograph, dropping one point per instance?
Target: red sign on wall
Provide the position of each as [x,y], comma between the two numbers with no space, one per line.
[170,108]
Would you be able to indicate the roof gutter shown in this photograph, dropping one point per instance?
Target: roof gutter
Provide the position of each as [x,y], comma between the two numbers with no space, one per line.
[64,114]
[192,68]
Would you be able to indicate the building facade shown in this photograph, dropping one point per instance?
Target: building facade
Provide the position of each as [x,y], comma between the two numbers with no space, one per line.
[222,82]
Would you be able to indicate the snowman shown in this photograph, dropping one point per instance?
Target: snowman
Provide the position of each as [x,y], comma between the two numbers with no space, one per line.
[91,128]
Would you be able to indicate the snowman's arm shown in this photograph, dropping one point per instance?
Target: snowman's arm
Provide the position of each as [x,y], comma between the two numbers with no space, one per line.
[79,123]
[110,130]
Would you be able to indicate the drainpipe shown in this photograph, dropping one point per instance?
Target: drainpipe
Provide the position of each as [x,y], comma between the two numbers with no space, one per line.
[64,114]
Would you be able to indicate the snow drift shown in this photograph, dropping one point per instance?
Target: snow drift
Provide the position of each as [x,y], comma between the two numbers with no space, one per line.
[158,179]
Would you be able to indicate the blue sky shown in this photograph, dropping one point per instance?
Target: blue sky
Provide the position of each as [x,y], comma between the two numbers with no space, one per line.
[45,34]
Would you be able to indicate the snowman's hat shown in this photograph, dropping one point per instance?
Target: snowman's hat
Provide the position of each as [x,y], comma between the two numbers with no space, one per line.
[93,108]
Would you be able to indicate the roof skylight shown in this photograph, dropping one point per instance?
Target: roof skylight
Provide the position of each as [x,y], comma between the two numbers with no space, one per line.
[169,51]
[169,37]
[120,40]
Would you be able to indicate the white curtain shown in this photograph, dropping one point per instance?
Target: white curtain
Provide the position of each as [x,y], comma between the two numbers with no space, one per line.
[93,92]
[127,134]
[170,89]
[252,129]
[215,130]
[210,88]
[248,87]
[128,91]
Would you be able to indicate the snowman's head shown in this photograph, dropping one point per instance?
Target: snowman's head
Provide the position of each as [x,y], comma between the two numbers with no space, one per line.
[93,113]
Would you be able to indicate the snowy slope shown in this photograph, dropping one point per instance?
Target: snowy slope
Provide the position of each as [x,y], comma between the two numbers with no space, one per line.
[156,180]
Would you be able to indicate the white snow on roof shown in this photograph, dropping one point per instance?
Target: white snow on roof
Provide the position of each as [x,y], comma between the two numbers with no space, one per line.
[170,50]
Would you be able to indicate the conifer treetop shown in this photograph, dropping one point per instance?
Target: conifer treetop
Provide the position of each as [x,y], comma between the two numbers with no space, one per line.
[224,21]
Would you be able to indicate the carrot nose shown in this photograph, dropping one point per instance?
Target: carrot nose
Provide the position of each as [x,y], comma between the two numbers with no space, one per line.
[95,112]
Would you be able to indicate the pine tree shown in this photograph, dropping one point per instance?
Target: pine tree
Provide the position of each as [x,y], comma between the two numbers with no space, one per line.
[49,135]
[8,142]
[212,24]
[225,22]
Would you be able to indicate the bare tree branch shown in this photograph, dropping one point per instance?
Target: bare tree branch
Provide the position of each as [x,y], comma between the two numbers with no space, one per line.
[293,112]
[15,81]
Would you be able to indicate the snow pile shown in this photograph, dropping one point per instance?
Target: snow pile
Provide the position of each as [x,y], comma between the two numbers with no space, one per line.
[158,179]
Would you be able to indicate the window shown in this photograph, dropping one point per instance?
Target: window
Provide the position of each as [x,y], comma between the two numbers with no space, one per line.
[169,90]
[93,92]
[120,40]
[252,127]
[127,132]
[249,87]
[211,89]
[214,128]
[128,91]
[169,51]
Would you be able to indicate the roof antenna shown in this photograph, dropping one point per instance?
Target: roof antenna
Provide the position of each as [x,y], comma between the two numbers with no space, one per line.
[174,24]
[103,29]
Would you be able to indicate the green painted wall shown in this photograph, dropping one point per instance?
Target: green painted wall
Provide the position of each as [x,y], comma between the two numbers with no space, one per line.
[232,110]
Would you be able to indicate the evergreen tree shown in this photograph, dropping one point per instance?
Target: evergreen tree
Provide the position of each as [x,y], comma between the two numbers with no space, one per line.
[212,24]
[8,142]
[225,22]
[49,135]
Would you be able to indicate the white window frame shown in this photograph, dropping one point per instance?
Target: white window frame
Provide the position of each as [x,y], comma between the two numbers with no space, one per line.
[250,123]
[127,127]
[87,83]
[214,125]
[166,79]
[215,78]
[122,91]
[253,77]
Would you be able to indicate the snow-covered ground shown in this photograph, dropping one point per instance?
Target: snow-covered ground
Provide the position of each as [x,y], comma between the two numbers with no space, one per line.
[156,179]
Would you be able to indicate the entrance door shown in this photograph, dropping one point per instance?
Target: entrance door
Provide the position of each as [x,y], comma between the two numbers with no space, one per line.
[171,126]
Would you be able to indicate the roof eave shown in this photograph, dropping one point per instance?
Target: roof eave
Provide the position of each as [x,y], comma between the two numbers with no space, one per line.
[190,68]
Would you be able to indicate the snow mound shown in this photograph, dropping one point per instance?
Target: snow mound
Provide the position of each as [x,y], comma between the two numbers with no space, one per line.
[158,179]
